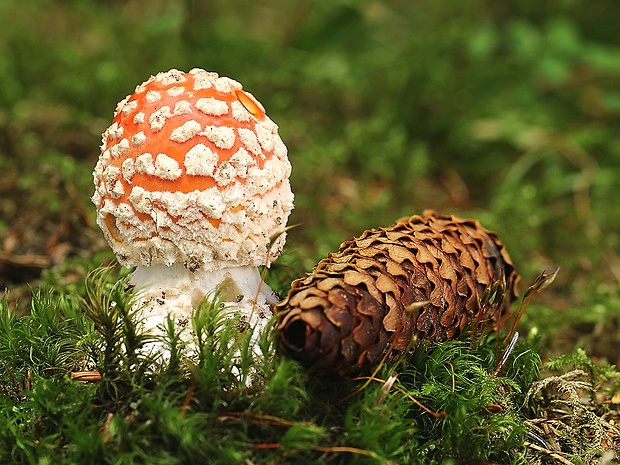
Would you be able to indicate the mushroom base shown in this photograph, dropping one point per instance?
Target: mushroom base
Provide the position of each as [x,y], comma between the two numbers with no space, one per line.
[176,291]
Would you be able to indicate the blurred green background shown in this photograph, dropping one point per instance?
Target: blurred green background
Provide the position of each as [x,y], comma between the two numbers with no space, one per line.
[508,112]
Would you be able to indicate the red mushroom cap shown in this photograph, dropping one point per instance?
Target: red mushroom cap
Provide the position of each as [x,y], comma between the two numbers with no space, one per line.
[193,171]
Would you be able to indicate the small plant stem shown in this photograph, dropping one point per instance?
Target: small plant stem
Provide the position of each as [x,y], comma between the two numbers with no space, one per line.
[188,398]
[333,450]
[509,349]
[550,453]
[369,379]
[405,393]
[452,373]
[259,418]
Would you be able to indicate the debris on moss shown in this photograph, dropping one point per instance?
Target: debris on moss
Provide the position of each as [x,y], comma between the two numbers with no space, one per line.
[576,413]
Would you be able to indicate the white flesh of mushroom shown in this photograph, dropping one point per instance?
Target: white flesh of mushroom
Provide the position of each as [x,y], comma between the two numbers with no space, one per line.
[175,291]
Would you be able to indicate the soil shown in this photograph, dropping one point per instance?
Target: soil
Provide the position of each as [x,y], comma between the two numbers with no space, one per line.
[45,213]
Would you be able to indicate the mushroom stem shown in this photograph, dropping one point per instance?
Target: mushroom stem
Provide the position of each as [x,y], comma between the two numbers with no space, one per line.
[174,290]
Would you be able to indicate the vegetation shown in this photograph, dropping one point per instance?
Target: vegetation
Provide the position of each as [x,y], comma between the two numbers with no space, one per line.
[506,113]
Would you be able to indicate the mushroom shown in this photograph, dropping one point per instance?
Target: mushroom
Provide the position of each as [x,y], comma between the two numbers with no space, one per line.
[191,188]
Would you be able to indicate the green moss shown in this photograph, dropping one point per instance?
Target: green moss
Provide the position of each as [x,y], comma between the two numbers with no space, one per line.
[441,403]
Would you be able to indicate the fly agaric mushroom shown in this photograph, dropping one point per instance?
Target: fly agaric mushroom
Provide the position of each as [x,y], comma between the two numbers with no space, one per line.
[192,188]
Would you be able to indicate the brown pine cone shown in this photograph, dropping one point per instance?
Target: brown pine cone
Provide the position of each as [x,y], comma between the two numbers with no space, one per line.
[423,278]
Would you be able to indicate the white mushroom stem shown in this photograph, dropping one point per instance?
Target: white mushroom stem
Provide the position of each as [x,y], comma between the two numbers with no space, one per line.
[174,290]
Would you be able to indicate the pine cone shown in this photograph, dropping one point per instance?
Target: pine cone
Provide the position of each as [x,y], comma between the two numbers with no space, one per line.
[423,278]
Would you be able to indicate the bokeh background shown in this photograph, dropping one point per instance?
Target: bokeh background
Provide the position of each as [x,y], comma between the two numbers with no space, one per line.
[508,112]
